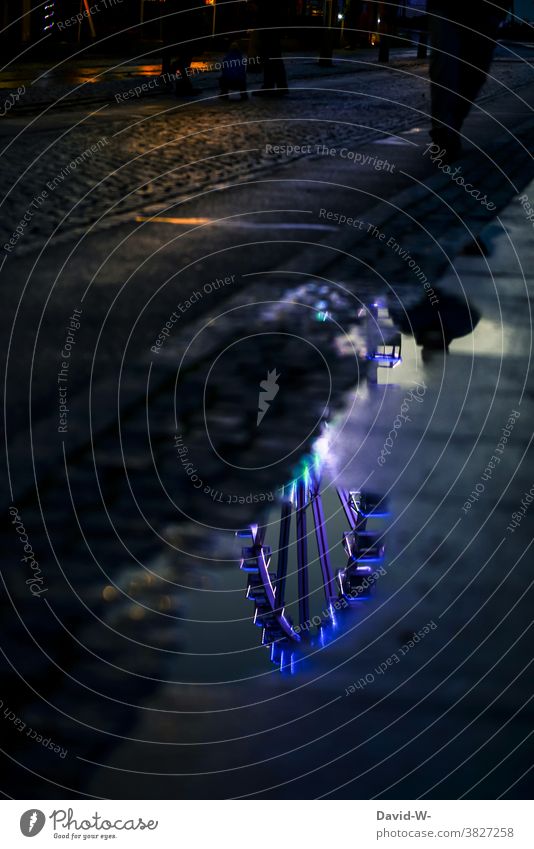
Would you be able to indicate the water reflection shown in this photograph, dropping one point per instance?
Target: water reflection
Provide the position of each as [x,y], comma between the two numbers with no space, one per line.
[290,568]
[434,326]
[296,581]
[314,560]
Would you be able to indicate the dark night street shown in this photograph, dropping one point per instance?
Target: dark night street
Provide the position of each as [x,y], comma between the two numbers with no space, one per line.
[226,321]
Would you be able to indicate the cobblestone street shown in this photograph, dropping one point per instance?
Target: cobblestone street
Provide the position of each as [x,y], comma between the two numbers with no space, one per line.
[195,292]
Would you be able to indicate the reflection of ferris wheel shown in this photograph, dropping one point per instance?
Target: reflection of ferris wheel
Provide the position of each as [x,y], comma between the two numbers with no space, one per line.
[364,548]
[267,589]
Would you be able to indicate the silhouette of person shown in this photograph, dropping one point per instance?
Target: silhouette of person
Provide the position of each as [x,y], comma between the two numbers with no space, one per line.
[270,15]
[463,37]
[183,29]
[234,73]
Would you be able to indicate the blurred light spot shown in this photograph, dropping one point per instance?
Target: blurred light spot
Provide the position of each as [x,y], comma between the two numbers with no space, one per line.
[163,219]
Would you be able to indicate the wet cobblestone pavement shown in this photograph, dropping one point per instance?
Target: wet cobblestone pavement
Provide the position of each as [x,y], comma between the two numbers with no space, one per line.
[131,648]
[153,156]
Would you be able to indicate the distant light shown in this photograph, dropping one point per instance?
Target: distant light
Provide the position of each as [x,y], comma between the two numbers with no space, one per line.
[164,219]
[136,613]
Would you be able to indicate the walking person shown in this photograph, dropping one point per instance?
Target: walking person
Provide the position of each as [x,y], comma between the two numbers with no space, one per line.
[234,73]
[184,26]
[463,37]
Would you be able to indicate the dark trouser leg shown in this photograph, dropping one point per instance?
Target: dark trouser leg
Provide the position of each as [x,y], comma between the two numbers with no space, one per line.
[459,64]
[477,53]
[280,73]
[269,74]
[445,74]
[166,57]
[184,83]
[274,75]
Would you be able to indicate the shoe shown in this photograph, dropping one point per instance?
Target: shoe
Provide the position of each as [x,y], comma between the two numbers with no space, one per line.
[449,142]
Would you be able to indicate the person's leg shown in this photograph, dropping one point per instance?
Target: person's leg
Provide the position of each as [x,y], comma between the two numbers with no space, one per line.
[280,73]
[183,84]
[445,74]
[166,56]
[445,82]
[269,73]
[278,70]
[477,53]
